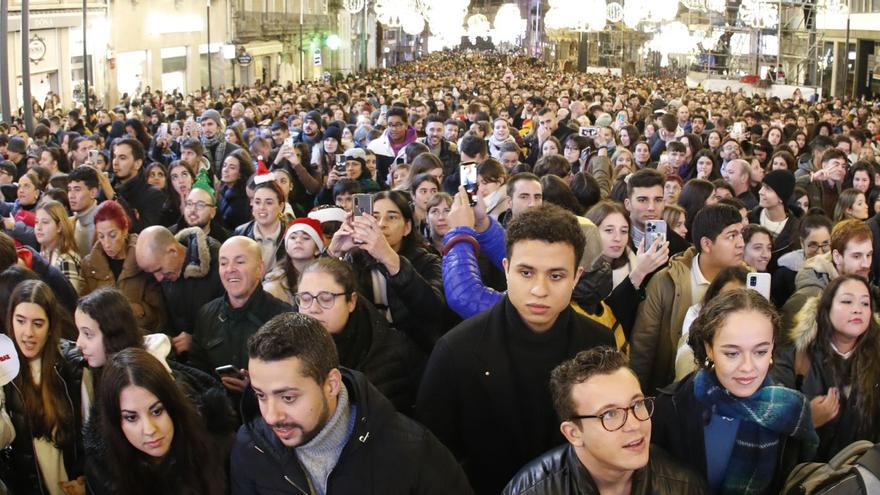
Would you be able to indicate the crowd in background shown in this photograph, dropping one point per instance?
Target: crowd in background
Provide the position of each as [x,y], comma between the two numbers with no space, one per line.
[301,288]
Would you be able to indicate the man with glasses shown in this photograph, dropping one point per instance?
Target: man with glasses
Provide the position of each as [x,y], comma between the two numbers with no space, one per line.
[200,211]
[224,325]
[606,420]
[392,142]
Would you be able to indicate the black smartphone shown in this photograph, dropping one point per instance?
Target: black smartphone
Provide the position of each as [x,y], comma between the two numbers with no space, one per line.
[228,370]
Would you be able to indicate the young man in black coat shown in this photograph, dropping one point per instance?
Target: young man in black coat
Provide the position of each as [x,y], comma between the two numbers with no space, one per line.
[311,426]
[484,391]
[141,201]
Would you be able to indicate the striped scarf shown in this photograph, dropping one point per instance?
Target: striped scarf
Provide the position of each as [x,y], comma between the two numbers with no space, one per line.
[765,417]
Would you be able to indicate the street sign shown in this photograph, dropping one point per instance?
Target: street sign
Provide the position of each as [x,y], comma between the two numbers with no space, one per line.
[245,59]
[317,57]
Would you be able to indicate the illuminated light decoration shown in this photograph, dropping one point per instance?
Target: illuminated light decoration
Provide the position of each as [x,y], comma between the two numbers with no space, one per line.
[741,44]
[633,13]
[478,27]
[614,12]
[390,12]
[662,10]
[333,42]
[759,14]
[508,25]
[576,15]
[353,6]
[412,23]
[445,20]
[672,38]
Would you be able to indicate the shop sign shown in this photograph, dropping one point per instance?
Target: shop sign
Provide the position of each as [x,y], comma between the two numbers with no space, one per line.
[245,59]
[37,49]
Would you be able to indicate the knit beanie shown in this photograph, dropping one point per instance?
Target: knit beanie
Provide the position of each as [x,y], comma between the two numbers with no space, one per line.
[333,132]
[314,116]
[212,114]
[203,182]
[311,227]
[782,183]
[357,155]
[603,120]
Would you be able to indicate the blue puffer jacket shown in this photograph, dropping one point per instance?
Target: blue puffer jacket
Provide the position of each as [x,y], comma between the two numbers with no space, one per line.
[466,294]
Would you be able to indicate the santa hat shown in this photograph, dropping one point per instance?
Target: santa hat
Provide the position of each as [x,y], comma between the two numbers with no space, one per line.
[310,226]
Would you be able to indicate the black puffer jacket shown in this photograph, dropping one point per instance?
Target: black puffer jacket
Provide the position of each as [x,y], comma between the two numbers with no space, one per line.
[233,209]
[389,359]
[18,462]
[415,293]
[560,472]
[386,453]
[210,400]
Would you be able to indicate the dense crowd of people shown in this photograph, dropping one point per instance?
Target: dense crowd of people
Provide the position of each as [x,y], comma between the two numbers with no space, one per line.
[470,273]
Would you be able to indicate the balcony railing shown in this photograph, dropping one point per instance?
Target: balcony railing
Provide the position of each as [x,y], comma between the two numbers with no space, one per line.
[255,25]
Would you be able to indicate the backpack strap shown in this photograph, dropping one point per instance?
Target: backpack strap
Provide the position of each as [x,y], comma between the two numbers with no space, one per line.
[868,467]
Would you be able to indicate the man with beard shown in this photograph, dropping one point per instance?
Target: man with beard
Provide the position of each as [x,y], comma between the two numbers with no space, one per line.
[308,421]
[439,146]
[311,129]
[199,210]
[214,140]
[141,201]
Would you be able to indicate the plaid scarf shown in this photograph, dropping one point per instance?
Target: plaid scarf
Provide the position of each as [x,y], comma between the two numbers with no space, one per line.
[765,417]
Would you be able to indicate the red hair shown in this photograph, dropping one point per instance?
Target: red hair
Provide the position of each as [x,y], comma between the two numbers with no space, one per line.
[114,212]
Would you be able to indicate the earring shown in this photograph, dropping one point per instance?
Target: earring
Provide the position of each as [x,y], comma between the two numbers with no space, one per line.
[708,363]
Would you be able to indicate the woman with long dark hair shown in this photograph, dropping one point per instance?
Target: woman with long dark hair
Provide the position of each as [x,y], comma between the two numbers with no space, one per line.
[233,206]
[156,442]
[399,276]
[44,402]
[832,359]
[696,194]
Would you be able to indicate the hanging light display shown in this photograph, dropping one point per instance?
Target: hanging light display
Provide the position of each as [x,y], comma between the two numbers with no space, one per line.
[759,14]
[633,13]
[478,27]
[508,25]
[672,38]
[614,12]
[662,10]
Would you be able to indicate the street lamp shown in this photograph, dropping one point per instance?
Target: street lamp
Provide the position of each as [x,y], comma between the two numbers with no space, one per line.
[210,79]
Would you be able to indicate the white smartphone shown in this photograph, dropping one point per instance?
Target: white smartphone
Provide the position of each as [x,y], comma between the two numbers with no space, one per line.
[759,282]
[654,229]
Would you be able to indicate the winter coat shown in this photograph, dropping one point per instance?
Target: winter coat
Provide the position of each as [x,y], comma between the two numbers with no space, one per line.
[816,273]
[52,276]
[659,322]
[796,366]
[385,154]
[874,224]
[217,231]
[221,331]
[469,397]
[141,201]
[448,155]
[560,472]
[782,282]
[386,453]
[415,293]
[204,392]
[233,206]
[138,287]
[388,358]
[466,294]
[197,285]
[21,231]
[678,426]
[815,193]
[18,462]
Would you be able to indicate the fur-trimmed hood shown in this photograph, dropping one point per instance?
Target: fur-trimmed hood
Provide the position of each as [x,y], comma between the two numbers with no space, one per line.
[805,327]
[198,254]
[817,271]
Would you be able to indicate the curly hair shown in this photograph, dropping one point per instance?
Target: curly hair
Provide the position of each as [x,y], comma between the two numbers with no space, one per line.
[548,223]
[601,360]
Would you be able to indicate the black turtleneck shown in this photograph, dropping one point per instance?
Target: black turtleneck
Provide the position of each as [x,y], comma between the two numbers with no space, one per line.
[533,356]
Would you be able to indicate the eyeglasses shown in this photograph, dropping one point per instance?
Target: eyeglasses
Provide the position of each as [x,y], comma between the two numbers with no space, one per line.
[614,419]
[326,299]
[199,205]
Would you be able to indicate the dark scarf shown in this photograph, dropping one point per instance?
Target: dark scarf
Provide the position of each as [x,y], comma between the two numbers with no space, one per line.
[218,145]
[353,342]
[766,416]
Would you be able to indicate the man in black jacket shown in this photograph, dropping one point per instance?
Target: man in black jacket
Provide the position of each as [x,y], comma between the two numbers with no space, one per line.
[484,391]
[185,264]
[607,422]
[141,201]
[224,324]
[311,426]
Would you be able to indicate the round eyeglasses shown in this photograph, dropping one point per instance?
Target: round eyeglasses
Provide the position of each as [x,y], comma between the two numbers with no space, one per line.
[326,299]
[614,419]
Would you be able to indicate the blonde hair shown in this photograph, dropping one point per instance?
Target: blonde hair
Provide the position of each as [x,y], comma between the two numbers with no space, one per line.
[56,211]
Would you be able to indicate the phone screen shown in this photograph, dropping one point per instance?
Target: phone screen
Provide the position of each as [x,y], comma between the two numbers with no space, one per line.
[468,179]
